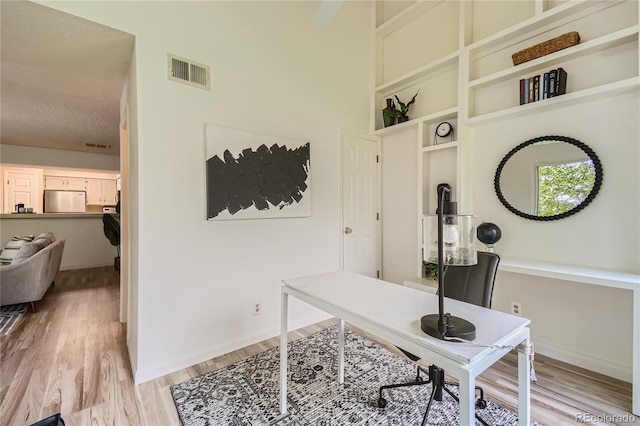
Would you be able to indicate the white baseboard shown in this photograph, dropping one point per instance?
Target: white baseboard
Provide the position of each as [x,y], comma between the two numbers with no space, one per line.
[599,365]
[84,266]
[145,374]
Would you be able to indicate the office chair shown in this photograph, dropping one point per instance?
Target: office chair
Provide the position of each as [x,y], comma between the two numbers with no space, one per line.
[471,284]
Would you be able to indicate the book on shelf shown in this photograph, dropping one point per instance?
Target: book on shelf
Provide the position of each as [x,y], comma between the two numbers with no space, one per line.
[550,84]
[536,88]
[531,93]
[561,82]
[545,85]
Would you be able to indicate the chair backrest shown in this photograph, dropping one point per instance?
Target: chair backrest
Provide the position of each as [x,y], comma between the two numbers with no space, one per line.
[57,248]
[473,284]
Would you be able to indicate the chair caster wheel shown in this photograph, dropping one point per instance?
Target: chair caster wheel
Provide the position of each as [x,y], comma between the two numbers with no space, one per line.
[481,404]
[382,403]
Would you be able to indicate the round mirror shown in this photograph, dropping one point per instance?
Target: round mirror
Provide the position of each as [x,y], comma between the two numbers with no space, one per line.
[548,178]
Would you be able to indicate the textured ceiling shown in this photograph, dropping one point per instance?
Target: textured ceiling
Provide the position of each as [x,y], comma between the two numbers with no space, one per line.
[61,79]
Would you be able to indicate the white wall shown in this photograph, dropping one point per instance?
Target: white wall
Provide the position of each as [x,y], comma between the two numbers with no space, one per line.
[602,236]
[273,72]
[30,156]
[399,210]
[567,317]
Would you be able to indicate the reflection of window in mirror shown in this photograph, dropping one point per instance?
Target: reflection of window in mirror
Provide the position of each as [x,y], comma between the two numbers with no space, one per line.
[561,187]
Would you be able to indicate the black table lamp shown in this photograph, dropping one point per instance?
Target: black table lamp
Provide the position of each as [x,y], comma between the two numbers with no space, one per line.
[448,240]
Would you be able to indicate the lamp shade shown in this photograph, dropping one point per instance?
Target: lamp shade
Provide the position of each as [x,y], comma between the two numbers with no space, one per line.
[458,239]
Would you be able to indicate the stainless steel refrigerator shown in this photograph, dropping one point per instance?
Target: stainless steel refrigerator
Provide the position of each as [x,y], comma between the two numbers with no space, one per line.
[64,201]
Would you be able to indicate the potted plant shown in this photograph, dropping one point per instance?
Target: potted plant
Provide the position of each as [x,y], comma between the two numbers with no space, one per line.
[430,271]
[404,108]
[389,113]
[111,228]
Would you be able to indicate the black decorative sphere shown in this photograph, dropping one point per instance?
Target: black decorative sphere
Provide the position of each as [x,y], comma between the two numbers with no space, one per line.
[489,233]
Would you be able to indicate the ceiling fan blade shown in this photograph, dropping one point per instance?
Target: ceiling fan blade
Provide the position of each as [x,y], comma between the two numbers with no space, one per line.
[327,11]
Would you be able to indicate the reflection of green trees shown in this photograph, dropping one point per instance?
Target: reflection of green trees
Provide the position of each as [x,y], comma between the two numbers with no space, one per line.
[562,187]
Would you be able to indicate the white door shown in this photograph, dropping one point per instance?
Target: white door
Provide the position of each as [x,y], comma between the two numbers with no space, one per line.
[22,186]
[360,204]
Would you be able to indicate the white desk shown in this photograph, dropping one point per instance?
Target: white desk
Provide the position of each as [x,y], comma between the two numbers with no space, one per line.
[392,312]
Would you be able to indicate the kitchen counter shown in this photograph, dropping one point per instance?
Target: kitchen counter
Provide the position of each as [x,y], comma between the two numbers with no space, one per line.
[4,216]
[86,245]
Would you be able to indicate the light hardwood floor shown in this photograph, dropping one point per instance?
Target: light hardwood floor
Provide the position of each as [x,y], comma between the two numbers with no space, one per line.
[71,357]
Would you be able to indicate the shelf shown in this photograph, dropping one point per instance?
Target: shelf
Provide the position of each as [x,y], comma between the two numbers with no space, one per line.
[606,42]
[594,93]
[440,147]
[423,284]
[404,17]
[417,75]
[446,114]
[571,273]
[557,16]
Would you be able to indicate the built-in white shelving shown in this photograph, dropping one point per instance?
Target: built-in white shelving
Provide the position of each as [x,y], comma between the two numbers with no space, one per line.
[416,75]
[571,273]
[574,98]
[480,86]
[447,114]
[541,23]
[440,146]
[626,35]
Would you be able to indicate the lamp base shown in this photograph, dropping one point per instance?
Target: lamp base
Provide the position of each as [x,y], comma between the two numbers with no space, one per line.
[456,327]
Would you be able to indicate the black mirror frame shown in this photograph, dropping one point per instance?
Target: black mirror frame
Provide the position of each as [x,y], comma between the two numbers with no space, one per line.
[594,191]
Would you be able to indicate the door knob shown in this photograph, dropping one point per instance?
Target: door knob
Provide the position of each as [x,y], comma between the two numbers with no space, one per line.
[348,230]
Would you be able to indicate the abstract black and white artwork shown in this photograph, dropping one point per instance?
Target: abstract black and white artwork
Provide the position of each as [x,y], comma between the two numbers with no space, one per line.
[255,176]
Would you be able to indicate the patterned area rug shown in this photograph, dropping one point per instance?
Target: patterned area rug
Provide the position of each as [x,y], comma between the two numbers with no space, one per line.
[246,393]
[10,317]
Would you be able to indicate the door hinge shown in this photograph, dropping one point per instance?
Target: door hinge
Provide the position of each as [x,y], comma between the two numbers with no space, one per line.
[377,158]
[377,216]
[377,274]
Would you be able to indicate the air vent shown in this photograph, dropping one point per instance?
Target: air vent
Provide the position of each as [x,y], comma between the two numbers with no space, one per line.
[188,72]
[97,145]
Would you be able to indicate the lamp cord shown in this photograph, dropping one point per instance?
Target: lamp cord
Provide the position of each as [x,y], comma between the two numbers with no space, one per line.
[470,343]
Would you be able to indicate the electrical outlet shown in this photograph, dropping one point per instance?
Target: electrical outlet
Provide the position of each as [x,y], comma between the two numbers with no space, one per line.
[516,308]
[256,308]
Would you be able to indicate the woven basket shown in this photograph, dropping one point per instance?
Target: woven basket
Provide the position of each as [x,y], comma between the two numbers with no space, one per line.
[546,47]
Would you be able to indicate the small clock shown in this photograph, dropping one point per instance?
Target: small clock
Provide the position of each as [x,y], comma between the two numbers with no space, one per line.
[444,129]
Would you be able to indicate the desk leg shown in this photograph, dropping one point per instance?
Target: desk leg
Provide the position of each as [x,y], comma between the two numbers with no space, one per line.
[341,353]
[524,383]
[467,399]
[284,314]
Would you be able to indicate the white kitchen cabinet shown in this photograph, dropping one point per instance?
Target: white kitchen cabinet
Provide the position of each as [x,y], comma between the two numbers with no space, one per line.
[54,182]
[101,192]
[64,183]
[76,184]
[109,192]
